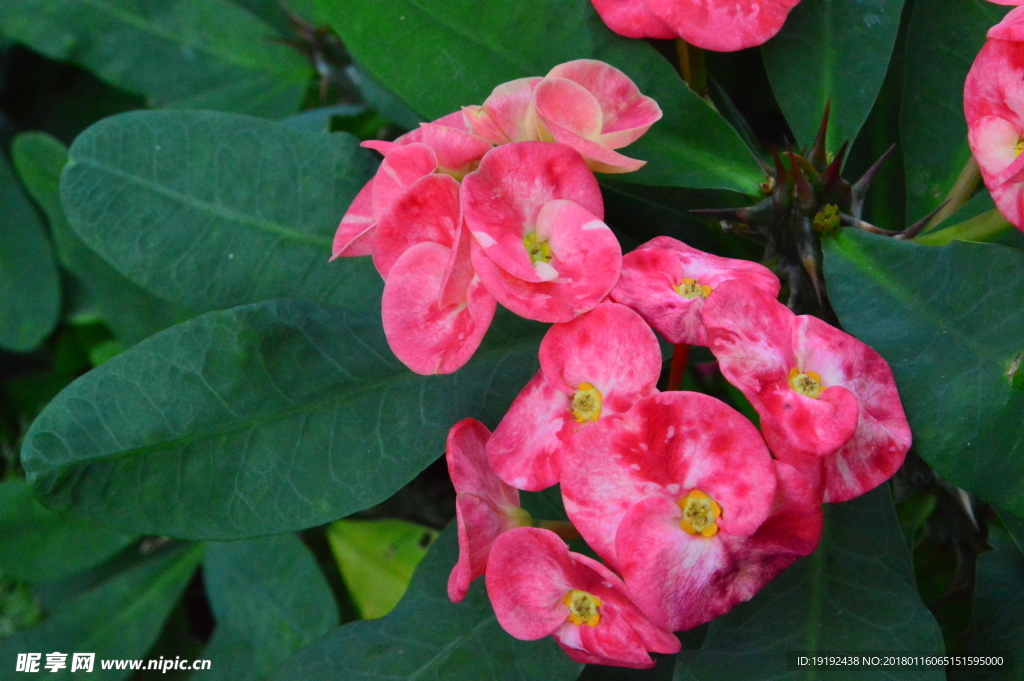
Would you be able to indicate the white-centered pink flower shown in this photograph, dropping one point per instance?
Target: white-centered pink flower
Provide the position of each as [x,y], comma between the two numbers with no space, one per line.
[591,368]
[667,283]
[828,403]
[540,246]
[485,507]
[539,588]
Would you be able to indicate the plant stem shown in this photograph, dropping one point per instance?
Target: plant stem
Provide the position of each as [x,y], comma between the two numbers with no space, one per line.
[679,358]
[979,228]
[691,66]
[961,192]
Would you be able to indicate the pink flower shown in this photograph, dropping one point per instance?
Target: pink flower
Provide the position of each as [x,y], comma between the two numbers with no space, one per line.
[1012,25]
[667,282]
[484,505]
[828,403]
[673,446]
[540,246]
[594,366]
[722,570]
[451,138]
[994,107]
[540,588]
[720,25]
[587,104]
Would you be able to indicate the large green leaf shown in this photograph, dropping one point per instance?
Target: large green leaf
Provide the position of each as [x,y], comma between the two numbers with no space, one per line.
[429,637]
[29,288]
[439,55]
[39,545]
[118,619]
[943,38]
[261,419]
[130,311]
[855,593]
[948,320]
[269,599]
[377,559]
[212,210]
[194,54]
[831,50]
[998,613]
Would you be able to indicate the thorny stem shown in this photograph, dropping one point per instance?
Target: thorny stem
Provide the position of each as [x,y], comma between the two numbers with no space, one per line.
[563,528]
[961,192]
[680,356]
[691,66]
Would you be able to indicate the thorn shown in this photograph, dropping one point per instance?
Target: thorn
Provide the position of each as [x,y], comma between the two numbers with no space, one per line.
[915,229]
[831,174]
[780,170]
[804,190]
[817,154]
[860,187]
[864,226]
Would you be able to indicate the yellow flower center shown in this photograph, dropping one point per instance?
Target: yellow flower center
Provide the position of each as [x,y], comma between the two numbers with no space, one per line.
[700,513]
[1019,146]
[539,250]
[582,607]
[586,403]
[691,288]
[808,384]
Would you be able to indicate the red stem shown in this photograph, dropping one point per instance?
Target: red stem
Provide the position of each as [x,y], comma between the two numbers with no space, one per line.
[679,358]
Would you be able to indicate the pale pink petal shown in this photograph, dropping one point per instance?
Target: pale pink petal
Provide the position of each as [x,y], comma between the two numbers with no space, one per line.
[459,270]
[667,445]
[429,210]
[355,236]
[527,447]
[508,109]
[1012,25]
[625,113]
[483,125]
[633,19]
[458,152]
[400,168]
[427,338]
[585,263]
[570,105]
[723,25]
[504,195]
[992,140]
[599,158]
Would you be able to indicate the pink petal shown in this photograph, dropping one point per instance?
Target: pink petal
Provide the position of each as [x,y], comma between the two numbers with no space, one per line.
[458,152]
[1012,25]
[600,159]
[625,113]
[529,572]
[992,140]
[428,210]
[354,236]
[470,469]
[504,195]
[483,125]
[570,105]
[633,19]
[667,445]
[508,110]
[753,336]
[527,448]
[459,271]
[427,338]
[585,264]
[400,168]
[651,273]
[723,25]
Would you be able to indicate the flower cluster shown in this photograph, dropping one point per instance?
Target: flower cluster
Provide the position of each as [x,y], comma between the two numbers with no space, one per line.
[994,107]
[720,25]
[497,203]
[689,505]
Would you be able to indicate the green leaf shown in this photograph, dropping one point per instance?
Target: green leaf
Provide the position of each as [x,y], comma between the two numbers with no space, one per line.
[948,321]
[471,46]
[832,50]
[429,637]
[377,559]
[855,593]
[118,619]
[943,38]
[211,210]
[998,611]
[29,287]
[1014,526]
[269,600]
[192,54]
[40,545]
[262,419]
[130,311]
